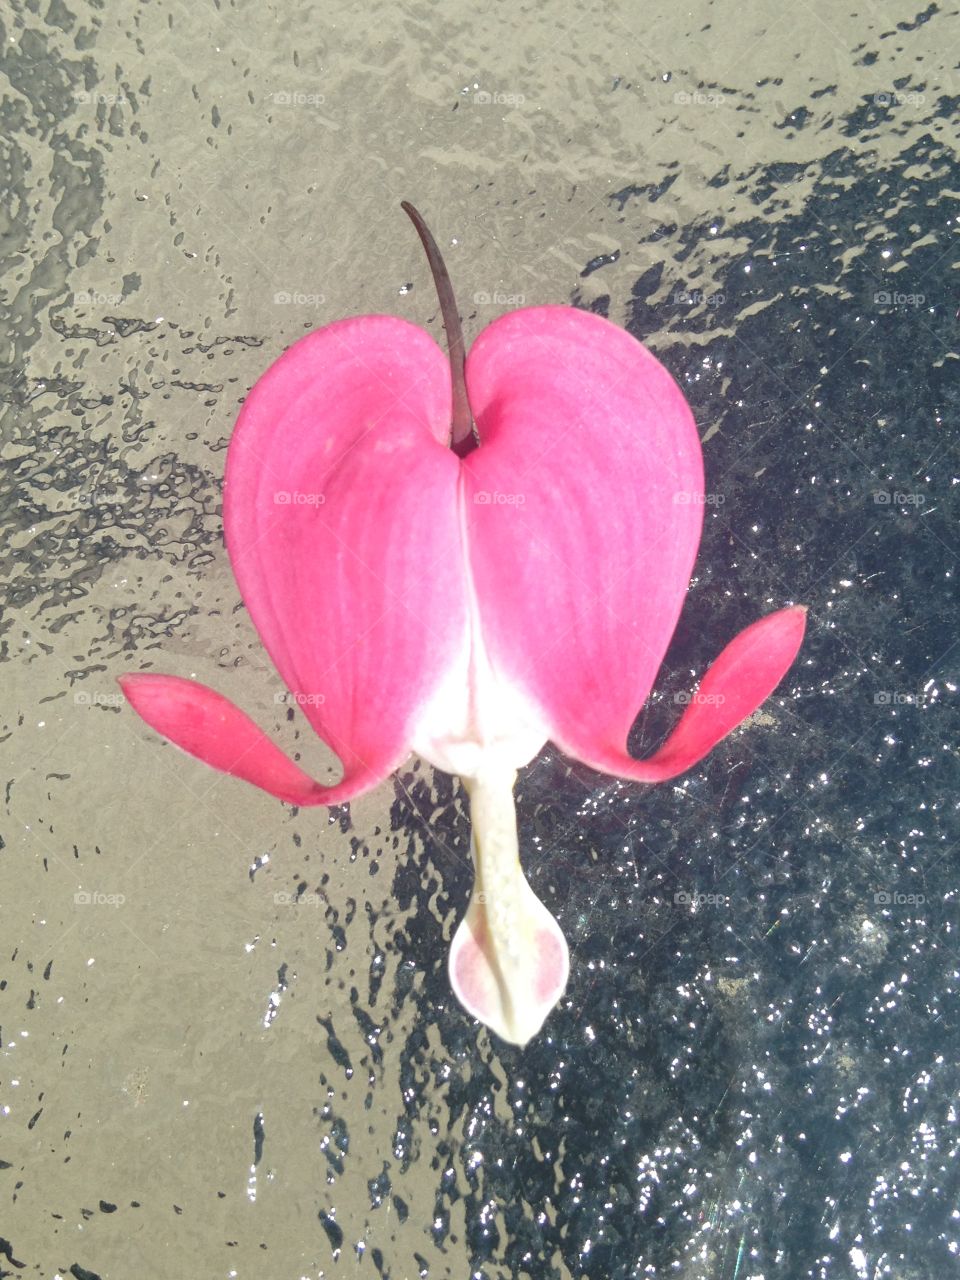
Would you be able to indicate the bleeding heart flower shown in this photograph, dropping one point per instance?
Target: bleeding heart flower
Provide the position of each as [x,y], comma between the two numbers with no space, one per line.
[469,595]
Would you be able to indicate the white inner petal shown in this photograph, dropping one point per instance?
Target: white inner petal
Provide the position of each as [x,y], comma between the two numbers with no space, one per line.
[477,720]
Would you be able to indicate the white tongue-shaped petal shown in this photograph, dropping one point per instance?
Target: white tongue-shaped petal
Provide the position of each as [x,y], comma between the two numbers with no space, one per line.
[509,961]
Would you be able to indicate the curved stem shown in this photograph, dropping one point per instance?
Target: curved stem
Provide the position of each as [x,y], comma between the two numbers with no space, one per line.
[464,436]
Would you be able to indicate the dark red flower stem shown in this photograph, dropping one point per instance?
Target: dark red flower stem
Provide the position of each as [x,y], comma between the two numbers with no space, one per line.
[464,437]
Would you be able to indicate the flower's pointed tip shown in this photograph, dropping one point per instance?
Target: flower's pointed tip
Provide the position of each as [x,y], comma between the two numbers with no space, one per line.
[203,723]
[744,674]
[798,611]
[509,988]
